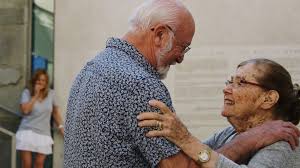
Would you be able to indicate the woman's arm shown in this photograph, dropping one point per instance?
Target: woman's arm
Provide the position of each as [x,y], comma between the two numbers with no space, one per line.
[26,108]
[58,119]
[176,132]
[256,138]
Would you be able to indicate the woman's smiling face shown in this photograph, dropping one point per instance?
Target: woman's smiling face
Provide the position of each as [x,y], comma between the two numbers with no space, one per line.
[242,94]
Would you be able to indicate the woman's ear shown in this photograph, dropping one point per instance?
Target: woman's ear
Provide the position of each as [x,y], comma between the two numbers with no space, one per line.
[270,99]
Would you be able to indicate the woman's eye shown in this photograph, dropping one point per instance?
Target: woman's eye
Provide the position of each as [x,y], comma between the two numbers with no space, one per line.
[229,82]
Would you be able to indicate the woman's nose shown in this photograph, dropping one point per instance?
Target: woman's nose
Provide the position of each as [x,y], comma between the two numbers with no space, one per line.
[227,89]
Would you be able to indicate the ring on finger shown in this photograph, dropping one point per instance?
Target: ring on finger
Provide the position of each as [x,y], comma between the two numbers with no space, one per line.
[161,112]
[159,126]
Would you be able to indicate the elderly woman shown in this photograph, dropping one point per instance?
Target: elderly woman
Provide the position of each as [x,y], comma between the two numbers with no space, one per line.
[261,91]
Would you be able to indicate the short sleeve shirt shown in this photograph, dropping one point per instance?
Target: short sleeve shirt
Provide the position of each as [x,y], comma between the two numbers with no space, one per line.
[39,118]
[106,97]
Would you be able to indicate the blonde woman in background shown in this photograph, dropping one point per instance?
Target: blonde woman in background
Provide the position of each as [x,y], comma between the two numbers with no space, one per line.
[37,105]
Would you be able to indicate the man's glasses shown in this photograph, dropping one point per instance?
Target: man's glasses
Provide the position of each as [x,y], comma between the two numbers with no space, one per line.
[186,49]
[238,82]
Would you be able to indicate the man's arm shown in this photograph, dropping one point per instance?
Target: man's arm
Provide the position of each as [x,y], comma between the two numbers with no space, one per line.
[279,155]
[276,155]
[249,142]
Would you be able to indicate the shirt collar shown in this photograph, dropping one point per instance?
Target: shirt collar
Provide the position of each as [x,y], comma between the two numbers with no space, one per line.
[132,51]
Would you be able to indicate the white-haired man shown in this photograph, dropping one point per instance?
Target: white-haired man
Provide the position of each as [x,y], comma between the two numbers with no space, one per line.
[112,89]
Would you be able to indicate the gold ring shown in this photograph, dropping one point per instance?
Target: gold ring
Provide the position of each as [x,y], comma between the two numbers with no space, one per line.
[161,112]
[159,126]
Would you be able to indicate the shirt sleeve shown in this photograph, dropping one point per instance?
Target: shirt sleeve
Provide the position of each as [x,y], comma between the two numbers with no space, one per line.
[217,140]
[152,149]
[53,96]
[211,141]
[25,97]
[276,155]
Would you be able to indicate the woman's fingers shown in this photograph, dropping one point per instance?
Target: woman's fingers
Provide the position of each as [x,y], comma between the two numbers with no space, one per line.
[157,133]
[162,106]
[148,123]
[153,115]
[150,116]
[159,130]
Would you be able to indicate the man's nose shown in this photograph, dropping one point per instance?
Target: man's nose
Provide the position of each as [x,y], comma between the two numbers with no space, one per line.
[180,58]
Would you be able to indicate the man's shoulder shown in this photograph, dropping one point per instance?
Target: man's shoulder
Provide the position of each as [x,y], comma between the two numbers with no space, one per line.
[117,63]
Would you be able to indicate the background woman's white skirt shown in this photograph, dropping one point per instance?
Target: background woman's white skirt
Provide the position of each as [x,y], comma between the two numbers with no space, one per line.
[28,140]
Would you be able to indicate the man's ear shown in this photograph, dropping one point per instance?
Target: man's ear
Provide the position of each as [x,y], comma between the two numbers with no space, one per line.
[270,99]
[161,35]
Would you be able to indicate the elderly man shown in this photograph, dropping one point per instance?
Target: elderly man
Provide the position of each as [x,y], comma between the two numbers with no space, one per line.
[112,89]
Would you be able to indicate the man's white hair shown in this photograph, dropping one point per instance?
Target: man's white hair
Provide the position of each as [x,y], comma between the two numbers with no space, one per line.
[153,12]
[164,69]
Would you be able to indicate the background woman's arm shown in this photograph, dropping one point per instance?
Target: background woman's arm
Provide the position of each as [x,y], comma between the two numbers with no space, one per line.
[26,108]
[58,119]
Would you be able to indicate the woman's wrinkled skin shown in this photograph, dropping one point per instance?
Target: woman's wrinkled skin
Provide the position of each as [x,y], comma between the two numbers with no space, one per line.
[173,129]
[244,107]
[243,102]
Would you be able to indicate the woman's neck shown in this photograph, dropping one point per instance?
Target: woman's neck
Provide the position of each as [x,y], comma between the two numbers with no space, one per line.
[241,125]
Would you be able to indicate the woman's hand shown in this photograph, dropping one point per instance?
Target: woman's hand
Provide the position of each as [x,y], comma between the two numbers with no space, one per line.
[61,131]
[167,122]
[37,89]
[58,120]
[173,129]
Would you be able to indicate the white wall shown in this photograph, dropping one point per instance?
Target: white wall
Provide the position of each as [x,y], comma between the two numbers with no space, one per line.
[227,32]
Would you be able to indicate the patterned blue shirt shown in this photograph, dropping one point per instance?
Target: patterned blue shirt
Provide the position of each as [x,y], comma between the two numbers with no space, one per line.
[106,97]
